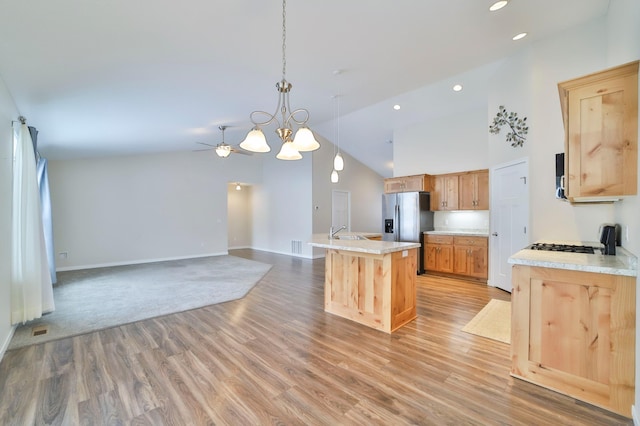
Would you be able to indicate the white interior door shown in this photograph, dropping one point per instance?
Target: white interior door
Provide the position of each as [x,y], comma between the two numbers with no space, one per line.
[341,209]
[509,218]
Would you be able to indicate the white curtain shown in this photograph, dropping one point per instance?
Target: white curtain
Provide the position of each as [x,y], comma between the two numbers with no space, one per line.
[31,288]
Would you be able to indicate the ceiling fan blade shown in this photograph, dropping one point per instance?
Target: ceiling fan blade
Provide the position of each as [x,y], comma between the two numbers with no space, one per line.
[207,144]
[205,149]
[238,150]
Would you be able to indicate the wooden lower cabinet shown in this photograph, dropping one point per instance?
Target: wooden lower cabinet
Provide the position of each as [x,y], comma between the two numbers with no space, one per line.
[438,253]
[574,332]
[468,256]
[471,257]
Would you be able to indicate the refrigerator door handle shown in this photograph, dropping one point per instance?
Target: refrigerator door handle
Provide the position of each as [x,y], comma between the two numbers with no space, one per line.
[396,235]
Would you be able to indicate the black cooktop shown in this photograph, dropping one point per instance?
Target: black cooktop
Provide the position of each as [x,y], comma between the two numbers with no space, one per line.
[562,247]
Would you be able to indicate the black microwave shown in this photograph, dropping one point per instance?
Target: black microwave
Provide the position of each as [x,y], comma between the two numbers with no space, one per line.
[560,176]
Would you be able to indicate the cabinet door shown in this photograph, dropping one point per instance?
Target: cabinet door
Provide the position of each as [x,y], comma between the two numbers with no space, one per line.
[473,190]
[467,191]
[430,257]
[437,200]
[461,260]
[393,185]
[413,183]
[601,125]
[477,265]
[573,332]
[445,258]
[482,190]
[445,193]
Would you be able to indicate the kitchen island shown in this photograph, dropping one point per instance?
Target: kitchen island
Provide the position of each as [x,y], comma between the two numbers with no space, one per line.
[573,324]
[370,282]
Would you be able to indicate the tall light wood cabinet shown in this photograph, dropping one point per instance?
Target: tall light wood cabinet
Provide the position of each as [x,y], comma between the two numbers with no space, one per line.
[445,192]
[473,190]
[600,113]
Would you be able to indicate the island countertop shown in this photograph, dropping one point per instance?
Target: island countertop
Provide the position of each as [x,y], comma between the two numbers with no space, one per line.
[359,245]
[623,263]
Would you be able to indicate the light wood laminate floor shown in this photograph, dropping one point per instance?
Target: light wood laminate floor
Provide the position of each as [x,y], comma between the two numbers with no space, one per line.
[275,357]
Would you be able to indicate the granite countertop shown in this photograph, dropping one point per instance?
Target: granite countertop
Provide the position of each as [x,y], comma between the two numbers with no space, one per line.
[361,246]
[623,263]
[461,232]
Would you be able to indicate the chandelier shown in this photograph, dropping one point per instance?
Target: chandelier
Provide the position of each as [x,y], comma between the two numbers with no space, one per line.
[303,140]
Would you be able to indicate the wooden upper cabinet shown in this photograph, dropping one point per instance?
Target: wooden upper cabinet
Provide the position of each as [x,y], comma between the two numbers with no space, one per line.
[407,184]
[600,113]
[445,192]
[473,190]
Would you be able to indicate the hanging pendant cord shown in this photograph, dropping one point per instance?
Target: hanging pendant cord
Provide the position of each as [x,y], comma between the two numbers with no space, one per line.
[284,39]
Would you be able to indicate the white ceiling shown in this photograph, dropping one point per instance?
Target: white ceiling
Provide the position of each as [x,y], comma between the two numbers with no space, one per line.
[115,77]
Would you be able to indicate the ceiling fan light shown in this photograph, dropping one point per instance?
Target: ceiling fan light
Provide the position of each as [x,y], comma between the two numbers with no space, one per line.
[304,140]
[255,141]
[334,177]
[338,162]
[288,152]
[223,150]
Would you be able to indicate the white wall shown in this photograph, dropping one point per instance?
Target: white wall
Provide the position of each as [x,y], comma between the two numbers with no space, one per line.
[8,112]
[239,216]
[445,144]
[364,185]
[119,210]
[282,205]
[527,83]
[623,45]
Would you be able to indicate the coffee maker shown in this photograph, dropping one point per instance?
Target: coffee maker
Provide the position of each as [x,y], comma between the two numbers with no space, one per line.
[610,238]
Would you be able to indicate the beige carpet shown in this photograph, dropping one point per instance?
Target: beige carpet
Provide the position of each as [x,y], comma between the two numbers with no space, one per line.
[94,299]
[493,321]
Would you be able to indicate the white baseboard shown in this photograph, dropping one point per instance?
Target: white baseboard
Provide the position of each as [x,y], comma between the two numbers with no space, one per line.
[304,256]
[635,415]
[6,342]
[137,262]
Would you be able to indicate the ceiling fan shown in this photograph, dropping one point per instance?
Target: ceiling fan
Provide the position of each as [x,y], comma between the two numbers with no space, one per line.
[223,149]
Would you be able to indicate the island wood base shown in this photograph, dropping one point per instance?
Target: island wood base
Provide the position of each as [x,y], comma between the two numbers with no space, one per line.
[574,332]
[376,290]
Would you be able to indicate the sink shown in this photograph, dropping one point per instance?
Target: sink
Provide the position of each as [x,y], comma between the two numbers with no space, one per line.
[349,237]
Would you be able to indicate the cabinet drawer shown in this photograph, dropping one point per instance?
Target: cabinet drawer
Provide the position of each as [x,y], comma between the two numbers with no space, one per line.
[470,241]
[439,239]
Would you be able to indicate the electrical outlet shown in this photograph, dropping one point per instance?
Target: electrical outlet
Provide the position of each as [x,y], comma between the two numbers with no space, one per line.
[63,255]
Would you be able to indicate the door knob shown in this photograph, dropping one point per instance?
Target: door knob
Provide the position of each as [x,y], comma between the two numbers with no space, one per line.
[495,234]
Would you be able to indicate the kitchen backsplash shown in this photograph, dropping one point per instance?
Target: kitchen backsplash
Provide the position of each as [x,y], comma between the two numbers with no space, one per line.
[469,221]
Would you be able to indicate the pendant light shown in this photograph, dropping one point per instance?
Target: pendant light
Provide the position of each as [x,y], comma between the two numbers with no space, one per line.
[303,139]
[334,177]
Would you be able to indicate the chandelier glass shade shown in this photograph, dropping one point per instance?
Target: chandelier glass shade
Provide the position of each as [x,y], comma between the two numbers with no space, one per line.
[303,140]
[255,141]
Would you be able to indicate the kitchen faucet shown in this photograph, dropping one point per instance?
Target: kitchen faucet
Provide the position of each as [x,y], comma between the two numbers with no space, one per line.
[332,233]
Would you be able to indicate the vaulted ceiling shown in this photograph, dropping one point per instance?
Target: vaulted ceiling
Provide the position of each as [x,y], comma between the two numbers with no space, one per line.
[132,76]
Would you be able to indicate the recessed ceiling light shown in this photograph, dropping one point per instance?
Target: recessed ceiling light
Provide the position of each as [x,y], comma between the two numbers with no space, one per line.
[457,88]
[498,5]
[396,107]
[519,36]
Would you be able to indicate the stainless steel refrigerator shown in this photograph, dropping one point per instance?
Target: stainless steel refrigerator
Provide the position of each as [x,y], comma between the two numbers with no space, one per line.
[406,217]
